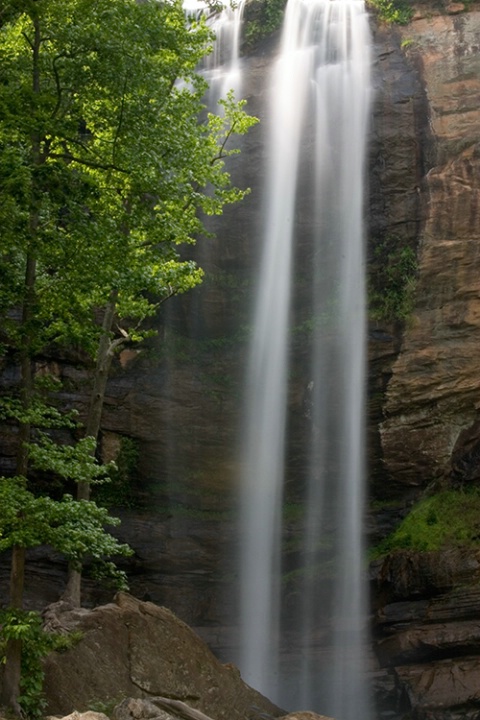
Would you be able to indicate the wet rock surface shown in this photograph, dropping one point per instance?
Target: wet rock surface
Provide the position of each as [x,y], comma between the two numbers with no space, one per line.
[427,633]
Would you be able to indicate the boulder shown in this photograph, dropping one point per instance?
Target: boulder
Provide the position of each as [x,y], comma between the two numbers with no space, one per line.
[88,715]
[137,649]
[137,709]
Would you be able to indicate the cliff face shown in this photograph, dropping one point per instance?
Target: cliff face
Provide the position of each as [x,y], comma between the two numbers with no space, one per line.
[427,603]
[432,401]
[181,400]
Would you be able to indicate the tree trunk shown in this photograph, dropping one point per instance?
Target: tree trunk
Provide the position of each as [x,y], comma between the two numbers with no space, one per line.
[97,398]
[73,589]
[72,592]
[13,654]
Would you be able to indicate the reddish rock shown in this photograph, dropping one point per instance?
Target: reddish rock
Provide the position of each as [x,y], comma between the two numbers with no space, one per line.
[434,688]
[455,8]
[433,393]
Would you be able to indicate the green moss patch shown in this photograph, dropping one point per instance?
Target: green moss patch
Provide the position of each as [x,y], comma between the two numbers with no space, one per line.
[448,519]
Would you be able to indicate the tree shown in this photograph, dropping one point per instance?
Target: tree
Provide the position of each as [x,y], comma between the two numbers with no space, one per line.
[106,168]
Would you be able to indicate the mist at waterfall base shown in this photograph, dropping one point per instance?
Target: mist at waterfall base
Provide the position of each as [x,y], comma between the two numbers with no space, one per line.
[319,108]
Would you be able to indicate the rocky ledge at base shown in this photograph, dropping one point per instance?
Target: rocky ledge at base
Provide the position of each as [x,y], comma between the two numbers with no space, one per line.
[146,664]
[136,709]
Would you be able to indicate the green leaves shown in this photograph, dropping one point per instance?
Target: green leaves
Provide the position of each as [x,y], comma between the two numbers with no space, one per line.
[27,627]
[449,519]
[392,283]
[74,528]
[37,413]
[399,12]
[105,162]
[108,165]
[72,462]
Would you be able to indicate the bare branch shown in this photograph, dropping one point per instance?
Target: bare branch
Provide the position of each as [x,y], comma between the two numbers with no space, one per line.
[28,40]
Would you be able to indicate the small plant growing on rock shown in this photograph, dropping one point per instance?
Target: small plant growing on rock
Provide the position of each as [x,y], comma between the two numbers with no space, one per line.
[392,281]
[27,627]
[262,19]
[393,11]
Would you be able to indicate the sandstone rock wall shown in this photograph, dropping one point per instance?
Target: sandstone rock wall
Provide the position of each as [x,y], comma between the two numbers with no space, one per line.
[433,394]
[427,604]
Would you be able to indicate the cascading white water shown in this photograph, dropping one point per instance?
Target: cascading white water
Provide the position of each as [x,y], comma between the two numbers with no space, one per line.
[223,66]
[321,82]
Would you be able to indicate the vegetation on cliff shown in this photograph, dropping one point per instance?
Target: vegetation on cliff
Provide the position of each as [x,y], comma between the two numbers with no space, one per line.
[106,169]
[391,281]
[450,518]
[262,18]
[392,11]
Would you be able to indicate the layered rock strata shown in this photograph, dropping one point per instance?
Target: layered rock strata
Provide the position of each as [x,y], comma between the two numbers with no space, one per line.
[426,624]
[433,396]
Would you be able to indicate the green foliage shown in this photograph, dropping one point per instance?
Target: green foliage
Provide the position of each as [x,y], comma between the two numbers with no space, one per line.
[448,519]
[262,18]
[74,528]
[38,413]
[106,707]
[108,163]
[393,11]
[392,281]
[105,170]
[71,462]
[27,626]
[105,158]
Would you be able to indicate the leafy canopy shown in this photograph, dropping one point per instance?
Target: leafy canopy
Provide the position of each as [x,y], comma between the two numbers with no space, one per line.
[74,528]
[108,162]
[101,144]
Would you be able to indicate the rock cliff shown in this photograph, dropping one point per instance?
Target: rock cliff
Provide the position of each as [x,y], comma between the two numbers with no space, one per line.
[427,603]
[431,408]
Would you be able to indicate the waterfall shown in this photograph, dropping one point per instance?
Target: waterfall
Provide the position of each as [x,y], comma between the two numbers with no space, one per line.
[223,66]
[318,122]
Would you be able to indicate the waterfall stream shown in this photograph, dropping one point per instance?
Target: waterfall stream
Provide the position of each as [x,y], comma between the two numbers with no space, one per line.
[318,122]
[223,66]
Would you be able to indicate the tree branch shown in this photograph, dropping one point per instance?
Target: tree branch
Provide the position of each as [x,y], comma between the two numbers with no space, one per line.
[88,163]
